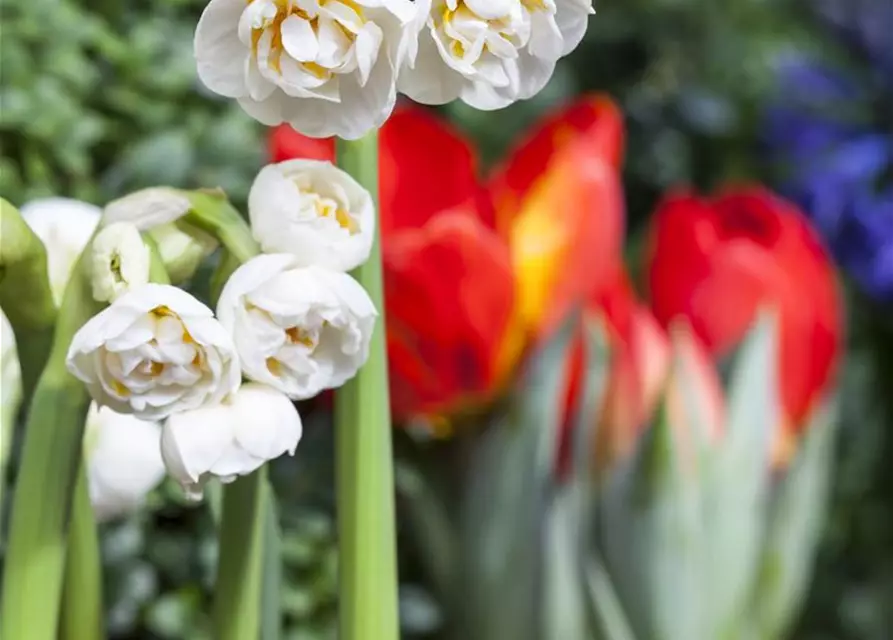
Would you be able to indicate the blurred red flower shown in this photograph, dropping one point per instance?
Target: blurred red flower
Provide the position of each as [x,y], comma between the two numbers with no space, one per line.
[475,271]
[715,262]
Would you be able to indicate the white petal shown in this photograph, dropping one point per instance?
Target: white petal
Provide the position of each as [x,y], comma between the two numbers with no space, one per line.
[299,39]
[219,54]
[148,208]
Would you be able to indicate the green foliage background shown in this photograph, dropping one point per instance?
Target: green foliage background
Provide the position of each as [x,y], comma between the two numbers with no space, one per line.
[98,99]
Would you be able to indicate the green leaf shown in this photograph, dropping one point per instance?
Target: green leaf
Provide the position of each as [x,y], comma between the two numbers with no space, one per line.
[795,527]
[652,538]
[568,524]
[510,475]
[609,619]
[736,480]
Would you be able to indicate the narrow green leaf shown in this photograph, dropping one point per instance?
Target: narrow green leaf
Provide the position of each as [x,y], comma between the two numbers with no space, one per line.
[795,527]
[568,536]
[271,588]
[609,619]
[510,476]
[736,481]
[652,537]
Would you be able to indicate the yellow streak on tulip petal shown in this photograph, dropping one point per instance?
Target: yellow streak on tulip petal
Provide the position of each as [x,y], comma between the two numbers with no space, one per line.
[538,246]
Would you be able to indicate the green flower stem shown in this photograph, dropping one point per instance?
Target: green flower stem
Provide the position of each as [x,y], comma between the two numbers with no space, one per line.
[82,612]
[248,527]
[25,294]
[367,608]
[51,455]
[239,576]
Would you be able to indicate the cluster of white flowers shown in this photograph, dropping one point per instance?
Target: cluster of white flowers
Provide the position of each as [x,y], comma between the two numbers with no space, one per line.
[333,67]
[292,321]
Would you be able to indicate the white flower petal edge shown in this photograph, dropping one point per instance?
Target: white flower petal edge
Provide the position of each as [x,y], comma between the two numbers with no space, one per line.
[159,211]
[491,53]
[123,456]
[298,329]
[155,351]
[235,438]
[327,67]
[65,227]
[314,211]
[119,261]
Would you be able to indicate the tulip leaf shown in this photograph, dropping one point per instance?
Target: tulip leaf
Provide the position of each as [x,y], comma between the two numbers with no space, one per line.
[652,536]
[736,480]
[609,619]
[568,525]
[510,474]
[797,514]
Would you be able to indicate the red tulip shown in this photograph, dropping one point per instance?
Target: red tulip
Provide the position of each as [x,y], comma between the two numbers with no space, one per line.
[449,294]
[716,262]
[558,201]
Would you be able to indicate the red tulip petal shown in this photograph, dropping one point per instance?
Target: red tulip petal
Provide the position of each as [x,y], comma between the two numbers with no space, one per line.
[286,144]
[594,118]
[449,294]
[566,238]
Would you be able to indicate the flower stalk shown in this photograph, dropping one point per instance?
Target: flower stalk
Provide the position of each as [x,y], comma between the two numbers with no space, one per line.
[51,455]
[364,462]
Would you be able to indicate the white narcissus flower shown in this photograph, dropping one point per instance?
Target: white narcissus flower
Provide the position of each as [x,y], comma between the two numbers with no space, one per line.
[159,211]
[298,329]
[490,53]
[327,67]
[123,457]
[230,439]
[313,210]
[119,261]
[65,227]
[154,351]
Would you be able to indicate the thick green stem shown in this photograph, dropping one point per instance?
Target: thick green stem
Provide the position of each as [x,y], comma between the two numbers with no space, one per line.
[367,563]
[211,212]
[82,613]
[239,576]
[35,560]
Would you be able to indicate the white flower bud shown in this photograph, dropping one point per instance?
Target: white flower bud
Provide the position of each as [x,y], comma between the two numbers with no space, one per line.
[159,211]
[123,458]
[314,211]
[65,227]
[327,67]
[119,261]
[154,351]
[230,439]
[298,329]
[491,53]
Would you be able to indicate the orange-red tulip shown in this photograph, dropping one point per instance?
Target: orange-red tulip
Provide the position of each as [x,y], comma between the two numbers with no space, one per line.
[716,262]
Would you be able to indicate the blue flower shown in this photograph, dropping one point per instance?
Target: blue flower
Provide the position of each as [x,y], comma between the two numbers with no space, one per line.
[836,162]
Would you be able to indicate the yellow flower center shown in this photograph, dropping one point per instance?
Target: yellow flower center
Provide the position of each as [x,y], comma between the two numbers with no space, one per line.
[322,69]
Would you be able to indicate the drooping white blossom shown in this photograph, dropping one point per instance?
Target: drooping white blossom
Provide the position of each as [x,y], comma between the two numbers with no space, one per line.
[160,211]
[327,67]
[230,439]
[491,53]
[119,261]
[154,351]
[298,329]
[123,458]
[65,227]
[314,211]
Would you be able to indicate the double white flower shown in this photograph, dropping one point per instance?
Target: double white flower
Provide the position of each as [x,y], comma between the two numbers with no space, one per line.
[154,352]
[490,53]
[298,329]
[327,67]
